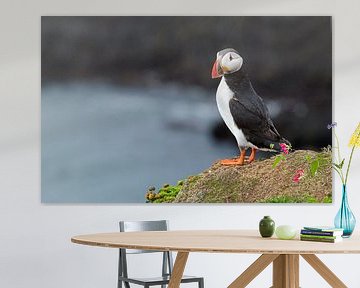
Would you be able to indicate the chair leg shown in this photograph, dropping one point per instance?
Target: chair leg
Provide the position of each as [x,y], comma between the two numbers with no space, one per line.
[201,283]
[126,284]
[164,266]
[120,273]
[122,268]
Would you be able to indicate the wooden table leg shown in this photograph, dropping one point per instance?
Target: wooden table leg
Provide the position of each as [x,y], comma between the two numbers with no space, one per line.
[286,271]
[279,271]
[324,271]
[178,270]
[293,262]
[253,270]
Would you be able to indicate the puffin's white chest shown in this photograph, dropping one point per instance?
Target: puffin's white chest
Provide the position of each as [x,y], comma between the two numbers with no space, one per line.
[223,96]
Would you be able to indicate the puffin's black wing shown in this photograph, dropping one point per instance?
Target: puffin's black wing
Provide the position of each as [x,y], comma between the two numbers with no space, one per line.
[252,117]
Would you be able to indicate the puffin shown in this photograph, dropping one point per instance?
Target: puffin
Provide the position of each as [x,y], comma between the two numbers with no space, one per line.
[242,109]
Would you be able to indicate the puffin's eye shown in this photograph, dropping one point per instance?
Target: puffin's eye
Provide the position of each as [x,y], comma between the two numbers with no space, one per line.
[230,57]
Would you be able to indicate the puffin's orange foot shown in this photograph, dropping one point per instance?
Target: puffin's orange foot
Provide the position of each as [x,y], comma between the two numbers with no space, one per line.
[236,161]
[252,155]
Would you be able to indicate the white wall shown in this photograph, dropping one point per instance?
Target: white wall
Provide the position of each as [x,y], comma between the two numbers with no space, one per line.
[35,248]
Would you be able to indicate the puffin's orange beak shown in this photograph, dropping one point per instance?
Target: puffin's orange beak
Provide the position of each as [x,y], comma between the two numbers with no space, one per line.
[216,70]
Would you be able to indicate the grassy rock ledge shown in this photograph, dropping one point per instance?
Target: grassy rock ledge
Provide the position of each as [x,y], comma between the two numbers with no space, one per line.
[259,182]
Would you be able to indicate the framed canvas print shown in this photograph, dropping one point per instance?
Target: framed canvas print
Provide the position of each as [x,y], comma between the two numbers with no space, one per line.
[208,109]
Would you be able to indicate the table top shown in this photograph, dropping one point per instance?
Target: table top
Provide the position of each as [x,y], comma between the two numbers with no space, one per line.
[217,241]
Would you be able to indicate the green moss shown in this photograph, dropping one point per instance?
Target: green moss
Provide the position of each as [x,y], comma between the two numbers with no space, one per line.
[296,199]
[166,194]
[327,199]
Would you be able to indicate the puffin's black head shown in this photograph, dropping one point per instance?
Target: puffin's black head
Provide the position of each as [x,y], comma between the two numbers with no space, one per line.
[227,61]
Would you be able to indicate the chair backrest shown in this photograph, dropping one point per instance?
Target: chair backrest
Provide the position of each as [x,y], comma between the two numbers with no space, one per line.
[134,226]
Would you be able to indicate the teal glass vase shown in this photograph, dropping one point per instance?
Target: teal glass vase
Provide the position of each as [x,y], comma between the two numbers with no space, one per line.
[345,219]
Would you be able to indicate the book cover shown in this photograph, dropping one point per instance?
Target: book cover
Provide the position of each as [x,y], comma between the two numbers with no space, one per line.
[321,233]
[319,236]
[323,228]
[325,240]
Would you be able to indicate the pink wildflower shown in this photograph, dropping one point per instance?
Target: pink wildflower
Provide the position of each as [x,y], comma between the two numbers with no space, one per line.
[298,175]
[284,148]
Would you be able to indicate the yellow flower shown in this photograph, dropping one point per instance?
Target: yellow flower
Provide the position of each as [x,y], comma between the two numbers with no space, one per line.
[355,138]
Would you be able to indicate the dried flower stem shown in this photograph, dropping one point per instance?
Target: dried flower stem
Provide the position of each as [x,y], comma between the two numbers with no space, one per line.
[339,171]
[351,155]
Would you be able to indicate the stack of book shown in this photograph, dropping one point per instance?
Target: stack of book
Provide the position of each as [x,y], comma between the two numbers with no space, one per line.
[321,234]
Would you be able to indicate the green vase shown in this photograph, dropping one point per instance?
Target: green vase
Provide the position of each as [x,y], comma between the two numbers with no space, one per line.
[267,227]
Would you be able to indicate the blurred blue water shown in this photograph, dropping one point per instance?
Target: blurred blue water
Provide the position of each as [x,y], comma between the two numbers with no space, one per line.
[105,144]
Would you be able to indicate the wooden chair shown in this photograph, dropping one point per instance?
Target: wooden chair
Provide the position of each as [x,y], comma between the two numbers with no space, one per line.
[167,262]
